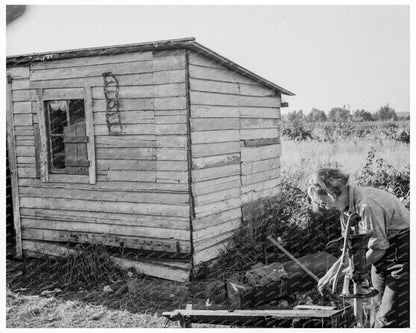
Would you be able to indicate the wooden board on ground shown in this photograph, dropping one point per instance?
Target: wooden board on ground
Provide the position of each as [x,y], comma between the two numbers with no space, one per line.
[162,269]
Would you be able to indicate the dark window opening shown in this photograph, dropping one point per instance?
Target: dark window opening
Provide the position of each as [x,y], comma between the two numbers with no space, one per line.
[67,136]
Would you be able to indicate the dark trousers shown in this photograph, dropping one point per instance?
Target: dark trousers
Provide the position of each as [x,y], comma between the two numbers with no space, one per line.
[390,276]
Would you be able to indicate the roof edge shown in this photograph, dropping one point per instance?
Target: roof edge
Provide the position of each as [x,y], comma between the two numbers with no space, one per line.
[201,49]
[17,60]
[188,42]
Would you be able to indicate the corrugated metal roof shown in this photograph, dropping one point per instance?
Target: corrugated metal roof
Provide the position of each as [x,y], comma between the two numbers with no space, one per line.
[188,43]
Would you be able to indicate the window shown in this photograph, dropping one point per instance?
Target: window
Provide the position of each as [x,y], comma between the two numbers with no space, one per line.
[66,136]
[66,142]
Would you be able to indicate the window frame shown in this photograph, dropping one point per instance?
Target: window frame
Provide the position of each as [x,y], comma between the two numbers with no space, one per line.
[51,135]
[48,94]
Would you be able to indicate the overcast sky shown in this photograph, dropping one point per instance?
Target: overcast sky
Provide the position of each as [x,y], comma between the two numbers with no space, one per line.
[329,56]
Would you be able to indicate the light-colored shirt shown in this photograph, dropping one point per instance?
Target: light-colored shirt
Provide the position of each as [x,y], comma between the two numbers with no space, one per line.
[381,212]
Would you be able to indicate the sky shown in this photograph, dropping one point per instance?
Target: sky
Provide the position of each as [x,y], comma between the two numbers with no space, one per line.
[357,56]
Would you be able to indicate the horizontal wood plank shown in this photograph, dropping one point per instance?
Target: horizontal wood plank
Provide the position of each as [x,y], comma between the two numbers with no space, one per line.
[216,207]
[213,240]
[213,124]
[207,111]
[141,165]
[205,199]
[262,185]
[170,119]
[22,119]
[217,218]
[124,141]
[255,112]
[172,154]
[259,166]
[171,141]
[27,151]
[216,74]
[26,160]
[215,161]
[116,207]
[205,98]
[215,136]
[114,240]
[247,123]
[128,175]
[261,142]
[20,72]
[22,107]
[175,177]
[215,172]
[127,129]
[256,195]
[96,60]
[21,95]
[209,186]
[108,218]
[162,77]
[137,104]
[210,252]
[198,59]
[260,176]
[216,230]
[126,153]
[28,172]
[167,60]
[127,117]
[112,196]
[107,229]
[62,93]
[109,185]
[126,92]
[170,103]
[259,133]
[97,70]
[230,88]
[252,154]
[170,129]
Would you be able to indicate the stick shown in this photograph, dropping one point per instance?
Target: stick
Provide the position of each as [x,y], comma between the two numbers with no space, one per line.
[306,269]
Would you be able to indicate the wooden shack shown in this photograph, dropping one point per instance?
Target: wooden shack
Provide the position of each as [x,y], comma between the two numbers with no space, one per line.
[161,149]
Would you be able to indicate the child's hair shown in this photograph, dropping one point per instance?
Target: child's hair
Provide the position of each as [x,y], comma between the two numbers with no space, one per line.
[331,181]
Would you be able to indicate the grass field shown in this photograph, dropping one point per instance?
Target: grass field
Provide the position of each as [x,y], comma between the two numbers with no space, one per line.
[303,157]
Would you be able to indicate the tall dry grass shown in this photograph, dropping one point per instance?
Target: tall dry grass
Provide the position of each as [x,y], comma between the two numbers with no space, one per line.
[300,158]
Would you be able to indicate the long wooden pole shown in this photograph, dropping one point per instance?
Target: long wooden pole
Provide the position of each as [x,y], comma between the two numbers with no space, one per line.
[306,269]
[13,169]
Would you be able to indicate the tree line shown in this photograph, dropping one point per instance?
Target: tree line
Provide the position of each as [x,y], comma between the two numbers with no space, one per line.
[338,114]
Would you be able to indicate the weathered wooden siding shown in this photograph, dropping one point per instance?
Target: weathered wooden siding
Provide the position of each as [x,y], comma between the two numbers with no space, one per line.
[235,150]
[141,197]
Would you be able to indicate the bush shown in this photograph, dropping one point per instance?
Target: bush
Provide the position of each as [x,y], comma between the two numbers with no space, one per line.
[300,230]
[295,130]
[379,174]
[404,136]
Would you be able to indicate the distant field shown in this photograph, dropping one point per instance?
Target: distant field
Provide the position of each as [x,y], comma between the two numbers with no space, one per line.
[302,157]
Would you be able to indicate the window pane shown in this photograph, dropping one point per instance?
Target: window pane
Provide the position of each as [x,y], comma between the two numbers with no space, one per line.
[57,116]
[76,111]
[58,152]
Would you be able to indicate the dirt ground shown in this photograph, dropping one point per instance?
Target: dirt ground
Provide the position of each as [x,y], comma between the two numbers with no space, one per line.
[36,299]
